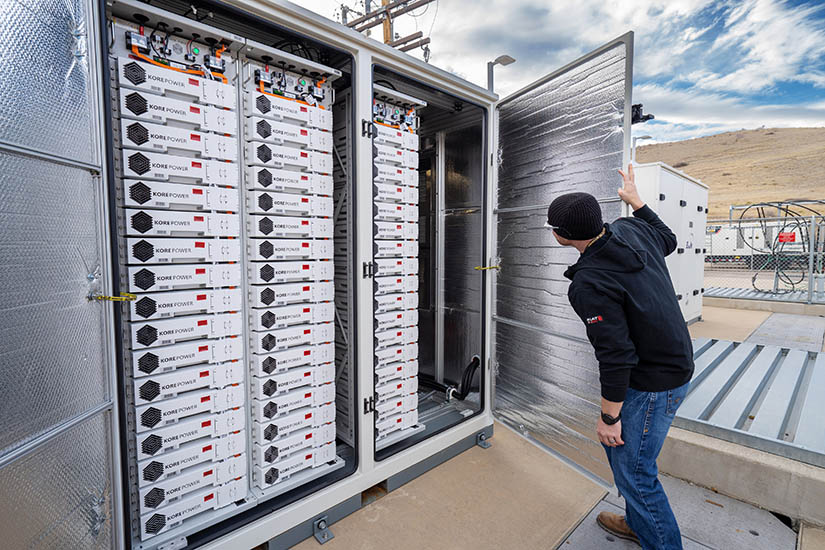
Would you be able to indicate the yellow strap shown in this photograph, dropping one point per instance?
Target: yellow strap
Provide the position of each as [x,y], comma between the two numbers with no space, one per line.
[483,268]
[124,297]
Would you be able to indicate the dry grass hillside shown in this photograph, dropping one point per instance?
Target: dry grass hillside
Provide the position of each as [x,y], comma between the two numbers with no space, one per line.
[749,166]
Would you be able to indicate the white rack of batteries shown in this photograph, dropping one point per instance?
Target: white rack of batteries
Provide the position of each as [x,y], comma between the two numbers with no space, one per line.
[178,184]
[288,157]
[395,264]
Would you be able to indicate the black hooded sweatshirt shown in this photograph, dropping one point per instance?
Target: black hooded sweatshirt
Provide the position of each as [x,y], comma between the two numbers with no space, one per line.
[622,291]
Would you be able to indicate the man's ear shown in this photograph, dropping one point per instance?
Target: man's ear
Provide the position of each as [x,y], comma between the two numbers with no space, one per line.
[561,240]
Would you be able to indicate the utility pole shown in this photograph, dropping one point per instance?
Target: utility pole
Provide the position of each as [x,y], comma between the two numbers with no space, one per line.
[385,15]
[387,22]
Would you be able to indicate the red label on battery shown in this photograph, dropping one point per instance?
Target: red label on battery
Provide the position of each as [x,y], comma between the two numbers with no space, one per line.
[306,310]
[305,200]
[196,164]
[206,449]
[308,395]
[305,267]
[398,421]
[203,323]
[400,172]
[194,82]
[209,497]
[208,473]
[787,237]
[198,218]
[308,436]
[306,289]
[206,398]
[201,297]
[200,244]
[194,137]
[307,331]
[307,352]
[206,424]
[200,271]
[203,348]
[304,178]
[304,133]
[304,222]
[308,373]
[197,191]
[204,373]
[303,109]
[194,109]
[307,416]
[304,155]
[304,245]
[309,456]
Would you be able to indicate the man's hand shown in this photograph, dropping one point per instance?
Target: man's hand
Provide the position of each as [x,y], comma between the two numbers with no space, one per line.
[628,193]
[610,435]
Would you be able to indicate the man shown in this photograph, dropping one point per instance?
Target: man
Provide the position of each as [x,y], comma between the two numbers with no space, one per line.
[621,289]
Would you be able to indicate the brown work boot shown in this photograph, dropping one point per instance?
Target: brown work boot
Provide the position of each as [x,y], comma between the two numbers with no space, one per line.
[617,526]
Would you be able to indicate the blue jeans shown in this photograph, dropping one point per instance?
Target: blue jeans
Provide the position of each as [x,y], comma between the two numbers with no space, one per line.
[646,418]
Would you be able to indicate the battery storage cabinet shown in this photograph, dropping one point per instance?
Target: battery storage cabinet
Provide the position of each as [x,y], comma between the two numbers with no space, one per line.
[395,264]
[223,178]
[682,203]
[178,186]
[184,171]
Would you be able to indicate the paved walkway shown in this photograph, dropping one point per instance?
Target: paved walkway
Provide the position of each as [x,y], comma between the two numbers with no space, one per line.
[707,520]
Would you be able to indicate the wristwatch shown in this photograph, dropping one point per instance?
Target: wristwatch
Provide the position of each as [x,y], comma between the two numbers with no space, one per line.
[610,420]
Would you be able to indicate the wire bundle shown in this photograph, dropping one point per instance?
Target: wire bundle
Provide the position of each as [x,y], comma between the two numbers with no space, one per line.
[793,219]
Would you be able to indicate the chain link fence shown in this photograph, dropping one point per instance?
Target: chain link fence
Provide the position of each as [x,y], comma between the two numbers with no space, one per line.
[766,259]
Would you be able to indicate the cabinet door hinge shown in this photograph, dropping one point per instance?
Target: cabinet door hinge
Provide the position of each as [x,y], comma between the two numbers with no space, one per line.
[369,404]
[369,270]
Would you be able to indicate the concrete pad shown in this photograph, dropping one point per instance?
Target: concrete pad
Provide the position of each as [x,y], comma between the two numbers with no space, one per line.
[790,330]
[589,536]
[512,495]
[811,538]
[768,481]
[706,520]
[722,323]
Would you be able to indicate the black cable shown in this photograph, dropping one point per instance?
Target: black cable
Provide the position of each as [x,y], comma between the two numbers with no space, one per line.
[774,250]
[386,83]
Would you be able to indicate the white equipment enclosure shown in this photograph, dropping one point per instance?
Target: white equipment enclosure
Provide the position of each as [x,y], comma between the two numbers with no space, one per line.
[256,263]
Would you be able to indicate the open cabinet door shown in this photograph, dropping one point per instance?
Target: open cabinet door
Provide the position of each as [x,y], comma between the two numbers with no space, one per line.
[569,131]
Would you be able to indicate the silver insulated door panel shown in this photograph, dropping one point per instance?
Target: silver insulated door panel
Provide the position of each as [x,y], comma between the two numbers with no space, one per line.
[567,132]
[55,399]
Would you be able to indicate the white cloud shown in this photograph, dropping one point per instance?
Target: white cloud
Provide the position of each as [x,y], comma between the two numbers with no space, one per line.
[713,61]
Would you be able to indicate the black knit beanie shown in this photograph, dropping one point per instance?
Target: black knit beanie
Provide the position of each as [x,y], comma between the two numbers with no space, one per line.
[576,216]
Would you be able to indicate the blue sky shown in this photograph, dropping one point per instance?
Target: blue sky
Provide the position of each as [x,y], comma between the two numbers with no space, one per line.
[701,66]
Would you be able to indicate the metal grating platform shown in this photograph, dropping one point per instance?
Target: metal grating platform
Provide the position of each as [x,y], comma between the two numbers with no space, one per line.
[798,296]
[765,397]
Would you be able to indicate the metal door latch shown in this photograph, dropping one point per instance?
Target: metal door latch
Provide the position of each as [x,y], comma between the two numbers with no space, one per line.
[320,529]
[368,128]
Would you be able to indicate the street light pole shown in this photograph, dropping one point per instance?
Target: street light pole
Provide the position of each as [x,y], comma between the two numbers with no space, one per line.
[500,60]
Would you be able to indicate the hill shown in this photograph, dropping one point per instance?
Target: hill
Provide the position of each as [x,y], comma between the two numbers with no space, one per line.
[749,166]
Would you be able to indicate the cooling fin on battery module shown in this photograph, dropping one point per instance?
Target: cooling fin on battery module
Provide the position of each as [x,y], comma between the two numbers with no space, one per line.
[287,123]
[178,183]
[395,260]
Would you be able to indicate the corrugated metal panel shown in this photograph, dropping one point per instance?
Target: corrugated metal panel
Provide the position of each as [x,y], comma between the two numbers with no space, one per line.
[796,296]
[565,134]
[765,397]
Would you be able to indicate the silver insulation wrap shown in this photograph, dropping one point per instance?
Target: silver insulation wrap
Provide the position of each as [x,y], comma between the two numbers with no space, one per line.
[567,133]
[56,408]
